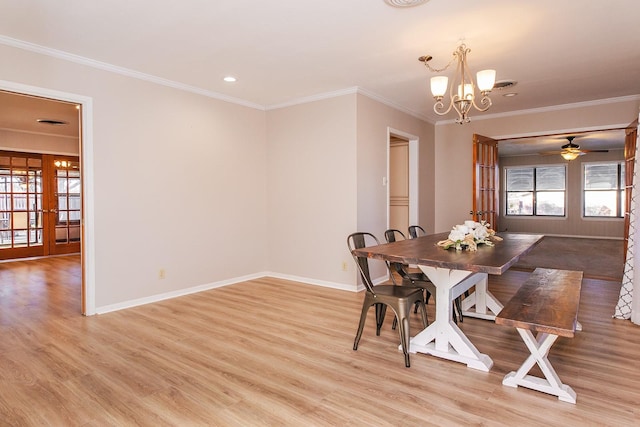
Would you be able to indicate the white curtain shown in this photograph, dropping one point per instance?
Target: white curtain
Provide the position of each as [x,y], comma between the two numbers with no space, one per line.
[628,306]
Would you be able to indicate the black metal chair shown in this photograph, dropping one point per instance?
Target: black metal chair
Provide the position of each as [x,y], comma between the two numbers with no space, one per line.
[409,278]
[417,231]
[399,298]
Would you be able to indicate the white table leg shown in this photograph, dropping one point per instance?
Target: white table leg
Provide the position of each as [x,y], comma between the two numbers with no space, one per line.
[481,303]
[551,384]
[442,338]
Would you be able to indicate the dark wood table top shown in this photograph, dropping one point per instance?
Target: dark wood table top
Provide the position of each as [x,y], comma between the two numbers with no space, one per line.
[487,259]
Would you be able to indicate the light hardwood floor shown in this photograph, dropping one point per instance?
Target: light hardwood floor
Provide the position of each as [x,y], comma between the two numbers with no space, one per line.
[270,352]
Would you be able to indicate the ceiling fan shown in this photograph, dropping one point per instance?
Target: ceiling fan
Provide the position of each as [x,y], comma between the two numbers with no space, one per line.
[571,151]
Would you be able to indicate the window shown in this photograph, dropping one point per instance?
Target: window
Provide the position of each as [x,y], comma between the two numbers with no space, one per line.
[604,190]
[535,191]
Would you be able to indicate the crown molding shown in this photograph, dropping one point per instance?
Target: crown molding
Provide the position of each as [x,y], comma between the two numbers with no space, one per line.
[594,103]
[59,54]
[32,47]
[313,98]
[52,135]
[393,105]
[348,91]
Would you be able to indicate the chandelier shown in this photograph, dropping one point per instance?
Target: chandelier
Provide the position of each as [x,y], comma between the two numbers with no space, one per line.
[462,92]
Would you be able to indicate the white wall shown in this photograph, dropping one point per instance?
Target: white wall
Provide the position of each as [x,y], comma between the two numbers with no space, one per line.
[374,120]
[312,190]
[453,146]
[213,192]
[179,180]
[326,163]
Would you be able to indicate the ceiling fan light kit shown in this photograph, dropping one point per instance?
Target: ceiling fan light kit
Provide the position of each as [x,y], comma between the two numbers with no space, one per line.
[570,155]
[571,151]
[462,92]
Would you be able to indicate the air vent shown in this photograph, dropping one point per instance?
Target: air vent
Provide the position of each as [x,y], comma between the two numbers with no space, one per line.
[504,84]
[52,122]
[404,3]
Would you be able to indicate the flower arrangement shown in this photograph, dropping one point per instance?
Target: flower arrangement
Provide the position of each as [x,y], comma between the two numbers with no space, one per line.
[469,235]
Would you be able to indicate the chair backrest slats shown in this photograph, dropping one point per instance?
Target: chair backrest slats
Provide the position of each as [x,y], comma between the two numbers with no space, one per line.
[392,235]
[359,241]
[416,231]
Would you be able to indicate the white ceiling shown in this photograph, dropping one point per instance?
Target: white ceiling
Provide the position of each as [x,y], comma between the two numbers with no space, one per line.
[286,51]
[21,113]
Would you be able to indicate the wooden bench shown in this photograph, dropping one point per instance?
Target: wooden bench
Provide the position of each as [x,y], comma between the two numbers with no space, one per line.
[547,303]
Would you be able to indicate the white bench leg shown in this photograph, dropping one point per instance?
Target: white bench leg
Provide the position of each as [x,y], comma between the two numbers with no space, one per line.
[539,349]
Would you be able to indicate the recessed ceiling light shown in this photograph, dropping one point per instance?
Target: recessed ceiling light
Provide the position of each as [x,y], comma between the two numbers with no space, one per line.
[229,79]
[510,94]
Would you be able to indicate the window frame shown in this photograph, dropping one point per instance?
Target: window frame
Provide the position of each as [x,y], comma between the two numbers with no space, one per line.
[535,192]
[620,191]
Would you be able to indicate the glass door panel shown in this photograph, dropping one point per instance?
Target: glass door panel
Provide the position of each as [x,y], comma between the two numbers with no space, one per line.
[21,205]
[40,205]
[68,204]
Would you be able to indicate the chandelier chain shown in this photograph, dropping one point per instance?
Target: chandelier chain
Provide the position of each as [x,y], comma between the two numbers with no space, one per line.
[439,70]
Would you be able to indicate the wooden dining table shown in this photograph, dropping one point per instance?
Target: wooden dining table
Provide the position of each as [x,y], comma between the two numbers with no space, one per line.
[454,272]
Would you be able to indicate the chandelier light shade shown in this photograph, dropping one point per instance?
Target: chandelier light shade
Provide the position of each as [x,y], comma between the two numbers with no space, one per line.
[462,92]
[439,85]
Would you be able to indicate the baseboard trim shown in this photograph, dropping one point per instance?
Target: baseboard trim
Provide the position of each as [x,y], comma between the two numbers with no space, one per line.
[208,286]
[323,283]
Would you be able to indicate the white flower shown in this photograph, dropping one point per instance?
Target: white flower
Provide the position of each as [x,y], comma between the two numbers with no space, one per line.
[462,228]
[457,235]
[480,232]
[471,224]
[469,235]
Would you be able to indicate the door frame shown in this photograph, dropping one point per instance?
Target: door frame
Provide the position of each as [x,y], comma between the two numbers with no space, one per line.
[413,173]
[485,159]
[87,254]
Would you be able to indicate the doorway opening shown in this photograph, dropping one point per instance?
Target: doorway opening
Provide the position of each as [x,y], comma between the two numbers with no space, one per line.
[402,181]
[70,224]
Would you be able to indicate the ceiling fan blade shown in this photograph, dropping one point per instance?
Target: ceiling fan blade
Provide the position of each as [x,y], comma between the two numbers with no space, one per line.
[549,153]
[595,151]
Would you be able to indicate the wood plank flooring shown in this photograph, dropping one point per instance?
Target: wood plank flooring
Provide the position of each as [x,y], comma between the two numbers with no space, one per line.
[271,352]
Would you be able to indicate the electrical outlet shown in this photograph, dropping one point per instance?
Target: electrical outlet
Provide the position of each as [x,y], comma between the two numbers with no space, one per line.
[162,273]
[344,266]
